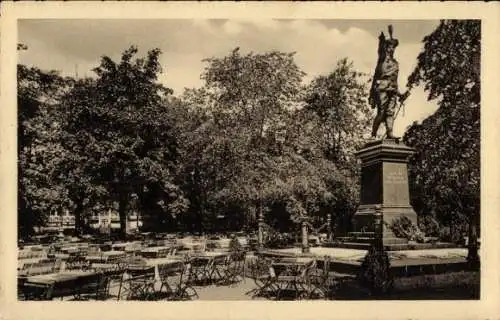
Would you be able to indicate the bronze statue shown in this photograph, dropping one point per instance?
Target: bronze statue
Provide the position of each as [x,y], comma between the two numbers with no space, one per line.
[384,93]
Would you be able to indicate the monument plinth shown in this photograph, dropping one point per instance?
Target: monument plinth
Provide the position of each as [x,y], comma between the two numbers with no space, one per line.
[385,191]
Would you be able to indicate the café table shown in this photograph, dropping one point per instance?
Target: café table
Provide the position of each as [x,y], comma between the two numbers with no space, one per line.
[208,265]
[159,262]
[119,246]
[156,252]
[106,256]
[61,284]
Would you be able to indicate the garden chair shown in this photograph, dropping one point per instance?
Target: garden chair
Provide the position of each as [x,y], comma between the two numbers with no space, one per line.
[264,277]
[170,278]
[294,280]
[95,287]
[235,271]
[138,284]
[219,269]
[324,283]
[185,290]
[38,268]
[76,262]
[200,270]
[20,288]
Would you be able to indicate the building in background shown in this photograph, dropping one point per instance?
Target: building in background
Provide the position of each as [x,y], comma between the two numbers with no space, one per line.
[104,221]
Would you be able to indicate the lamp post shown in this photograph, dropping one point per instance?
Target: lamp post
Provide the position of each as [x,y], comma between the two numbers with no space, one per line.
[329,226]
[261,224]
[305,235]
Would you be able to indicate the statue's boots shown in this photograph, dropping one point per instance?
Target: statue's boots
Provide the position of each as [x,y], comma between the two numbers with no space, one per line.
[389,123]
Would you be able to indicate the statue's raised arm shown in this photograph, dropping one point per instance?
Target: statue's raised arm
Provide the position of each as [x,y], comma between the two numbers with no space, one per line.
[384,93]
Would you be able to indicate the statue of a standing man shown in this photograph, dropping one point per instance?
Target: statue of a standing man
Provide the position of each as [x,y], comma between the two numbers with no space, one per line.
[384,93]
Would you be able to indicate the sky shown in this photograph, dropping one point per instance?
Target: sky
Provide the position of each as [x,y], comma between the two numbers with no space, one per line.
[74,47]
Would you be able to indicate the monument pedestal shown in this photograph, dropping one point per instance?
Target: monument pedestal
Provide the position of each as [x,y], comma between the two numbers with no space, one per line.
[385,191]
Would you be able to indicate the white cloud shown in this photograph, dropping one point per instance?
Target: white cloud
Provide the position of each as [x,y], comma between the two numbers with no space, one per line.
[232,27]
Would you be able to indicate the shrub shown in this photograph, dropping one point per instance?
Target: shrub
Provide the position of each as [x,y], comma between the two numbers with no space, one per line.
[375,272]
[429,225]
[445,234]
[404,227]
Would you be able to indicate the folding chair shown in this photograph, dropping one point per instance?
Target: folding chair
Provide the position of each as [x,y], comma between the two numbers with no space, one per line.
[235,271]
[264,277]
[297,284]
[200,270]
[219,269]
[93,287]
[170,278]
[185,290]
[139,285]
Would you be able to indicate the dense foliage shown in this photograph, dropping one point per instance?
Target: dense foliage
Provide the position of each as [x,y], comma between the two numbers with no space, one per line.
[39,151]
[375,272]
[252,139]
[445,172]
[118,126]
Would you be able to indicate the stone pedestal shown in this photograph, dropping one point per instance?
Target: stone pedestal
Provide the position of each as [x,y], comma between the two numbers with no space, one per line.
[384,189]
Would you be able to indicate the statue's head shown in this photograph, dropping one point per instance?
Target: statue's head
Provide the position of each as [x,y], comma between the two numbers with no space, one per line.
[387,46]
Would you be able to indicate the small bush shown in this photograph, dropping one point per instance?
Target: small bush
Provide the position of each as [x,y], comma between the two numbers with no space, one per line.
[429,225]
[404,227]
[445,234]
[375,272]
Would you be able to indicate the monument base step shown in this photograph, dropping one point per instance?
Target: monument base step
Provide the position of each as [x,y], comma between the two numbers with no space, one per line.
[366,239]
[394,246]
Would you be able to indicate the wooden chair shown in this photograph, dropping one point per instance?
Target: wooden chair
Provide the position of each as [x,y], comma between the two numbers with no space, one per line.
[139,285]
[219,268]
[170,278]
[200,270]
[185,290]
[288,281]
[95,287]
[235,271]
[263,275]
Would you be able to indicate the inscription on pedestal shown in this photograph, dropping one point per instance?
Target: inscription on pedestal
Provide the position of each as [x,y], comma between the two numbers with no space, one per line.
[397,176]
[395,188]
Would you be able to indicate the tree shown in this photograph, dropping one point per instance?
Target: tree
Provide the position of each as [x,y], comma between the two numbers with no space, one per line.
[119,126]
[39,149]
[445,172]
[339,101]
[245,104]
[337,120]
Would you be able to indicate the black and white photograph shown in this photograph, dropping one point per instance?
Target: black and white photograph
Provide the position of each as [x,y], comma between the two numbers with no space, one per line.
[231,159]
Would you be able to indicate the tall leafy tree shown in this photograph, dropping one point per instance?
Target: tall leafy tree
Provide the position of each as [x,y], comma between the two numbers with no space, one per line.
[445,172]
[39,149]
[337,120]
[339,102]
[119,125]
[244,105]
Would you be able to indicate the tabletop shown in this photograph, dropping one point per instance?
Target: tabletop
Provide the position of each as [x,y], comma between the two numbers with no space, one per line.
[52,278]
[156,249]
[161,261]
[211,254]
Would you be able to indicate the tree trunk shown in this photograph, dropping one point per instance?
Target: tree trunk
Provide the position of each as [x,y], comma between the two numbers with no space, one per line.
[122,212]
[473,245]
[79,224]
